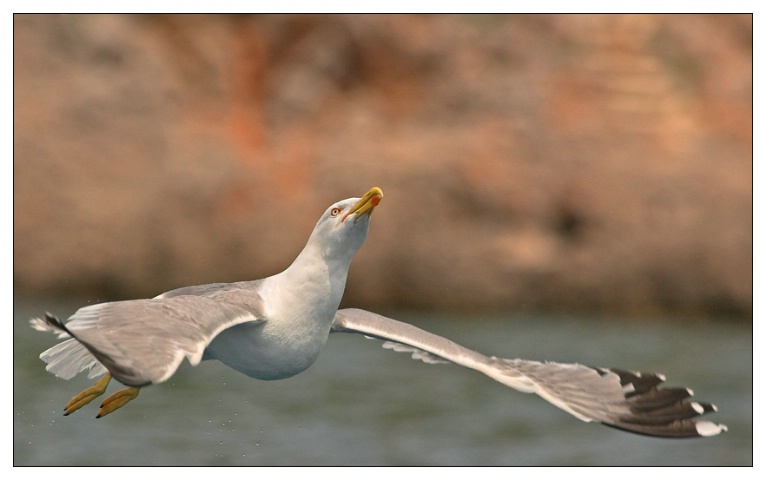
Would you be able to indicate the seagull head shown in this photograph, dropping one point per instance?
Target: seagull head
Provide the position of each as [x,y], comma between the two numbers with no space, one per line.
[343,227]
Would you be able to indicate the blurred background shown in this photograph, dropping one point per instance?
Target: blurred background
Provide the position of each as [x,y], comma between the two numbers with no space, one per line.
[590,171]
[528,162]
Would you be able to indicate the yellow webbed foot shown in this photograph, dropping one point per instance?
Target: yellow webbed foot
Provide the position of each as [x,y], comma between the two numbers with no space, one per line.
[88,395]
[117,400]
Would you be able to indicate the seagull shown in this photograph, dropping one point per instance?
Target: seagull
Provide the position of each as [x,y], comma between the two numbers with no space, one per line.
[276,327]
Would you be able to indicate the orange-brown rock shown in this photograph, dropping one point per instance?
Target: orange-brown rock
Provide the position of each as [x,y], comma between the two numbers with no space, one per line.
[529,162]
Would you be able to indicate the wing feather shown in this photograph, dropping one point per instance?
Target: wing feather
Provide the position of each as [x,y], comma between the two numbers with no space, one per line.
[617,398]
[144,341]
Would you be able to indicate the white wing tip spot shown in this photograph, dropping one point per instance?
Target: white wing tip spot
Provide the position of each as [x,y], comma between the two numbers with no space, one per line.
[709,429]
[39,324]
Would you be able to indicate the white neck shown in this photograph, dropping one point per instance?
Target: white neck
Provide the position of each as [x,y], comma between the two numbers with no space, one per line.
[311,287]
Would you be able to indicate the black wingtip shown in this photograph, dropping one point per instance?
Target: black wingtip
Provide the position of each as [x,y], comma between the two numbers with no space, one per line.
[677,429]
[662,412]
[57,324]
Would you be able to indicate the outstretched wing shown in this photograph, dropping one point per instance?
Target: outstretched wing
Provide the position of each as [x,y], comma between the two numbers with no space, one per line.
[617,398]
[144,341]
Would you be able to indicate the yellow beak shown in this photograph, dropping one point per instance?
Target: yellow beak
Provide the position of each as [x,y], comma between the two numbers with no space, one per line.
[366,204]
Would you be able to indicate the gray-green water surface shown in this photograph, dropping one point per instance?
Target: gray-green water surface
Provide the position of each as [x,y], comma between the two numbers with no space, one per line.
[363,405]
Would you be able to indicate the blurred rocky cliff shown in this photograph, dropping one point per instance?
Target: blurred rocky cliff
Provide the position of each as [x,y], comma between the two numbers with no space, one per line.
[528,162]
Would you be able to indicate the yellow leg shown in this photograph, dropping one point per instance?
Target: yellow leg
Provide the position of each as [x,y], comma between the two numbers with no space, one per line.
[88,395]
[117,400]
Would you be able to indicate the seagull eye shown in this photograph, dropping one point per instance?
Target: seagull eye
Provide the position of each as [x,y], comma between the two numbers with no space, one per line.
[335,212]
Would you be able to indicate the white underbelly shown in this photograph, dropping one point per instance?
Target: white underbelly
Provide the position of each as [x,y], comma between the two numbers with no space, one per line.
[258,352]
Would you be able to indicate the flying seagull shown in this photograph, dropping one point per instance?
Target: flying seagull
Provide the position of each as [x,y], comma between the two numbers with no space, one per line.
[276,327]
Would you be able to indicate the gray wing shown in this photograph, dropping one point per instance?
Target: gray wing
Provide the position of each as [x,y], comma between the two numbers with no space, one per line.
[144,341]
[617,398]
[228,292]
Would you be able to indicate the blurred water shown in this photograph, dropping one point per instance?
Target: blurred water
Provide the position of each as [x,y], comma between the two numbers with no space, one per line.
[362,405]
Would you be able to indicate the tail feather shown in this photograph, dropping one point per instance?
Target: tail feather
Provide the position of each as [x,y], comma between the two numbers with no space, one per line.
[68,358]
